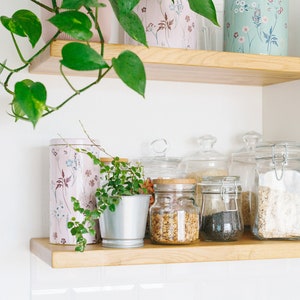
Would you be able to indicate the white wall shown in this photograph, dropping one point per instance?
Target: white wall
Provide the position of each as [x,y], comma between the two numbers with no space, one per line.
[124,123]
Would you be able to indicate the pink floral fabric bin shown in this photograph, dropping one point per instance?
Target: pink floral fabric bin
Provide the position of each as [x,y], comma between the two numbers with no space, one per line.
[72,174]
[167,24]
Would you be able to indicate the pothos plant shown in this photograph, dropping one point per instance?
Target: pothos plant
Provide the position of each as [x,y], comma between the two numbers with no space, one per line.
[119,178]
[76,18]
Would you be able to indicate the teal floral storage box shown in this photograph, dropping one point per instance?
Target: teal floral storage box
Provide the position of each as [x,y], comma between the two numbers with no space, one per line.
[259,27]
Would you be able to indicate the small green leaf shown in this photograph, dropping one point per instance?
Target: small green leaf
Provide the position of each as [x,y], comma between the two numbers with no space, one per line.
[77,4]
[24,23]
[129,20]
[74,23]
[205,8]
[2,66]
[70,225]
[81,57]
[131,70]
[31,98]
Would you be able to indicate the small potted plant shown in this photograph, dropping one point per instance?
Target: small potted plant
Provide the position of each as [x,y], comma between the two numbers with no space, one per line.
[122,205]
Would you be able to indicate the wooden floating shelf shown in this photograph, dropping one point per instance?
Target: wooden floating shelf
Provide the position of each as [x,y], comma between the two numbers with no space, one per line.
[189,65]
[248,248]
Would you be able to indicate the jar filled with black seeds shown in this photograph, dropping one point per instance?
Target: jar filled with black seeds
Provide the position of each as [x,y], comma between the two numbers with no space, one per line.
[221,213]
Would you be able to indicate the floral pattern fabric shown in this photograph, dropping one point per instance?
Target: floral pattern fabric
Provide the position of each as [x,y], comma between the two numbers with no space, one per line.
[259,27]
[167,24]
[72,174]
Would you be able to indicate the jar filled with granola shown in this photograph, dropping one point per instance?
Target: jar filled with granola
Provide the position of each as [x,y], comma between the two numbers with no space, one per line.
[277,209]
[174,218]
[221,216]
[243,164]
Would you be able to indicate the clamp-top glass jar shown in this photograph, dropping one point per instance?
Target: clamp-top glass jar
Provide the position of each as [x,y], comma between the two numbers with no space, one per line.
[221,215]
[174,218]
[243,164]
[277,209]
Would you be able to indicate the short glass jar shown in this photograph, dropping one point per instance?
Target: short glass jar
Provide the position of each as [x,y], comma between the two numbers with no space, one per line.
[174,218]
[277,209]
[221,215]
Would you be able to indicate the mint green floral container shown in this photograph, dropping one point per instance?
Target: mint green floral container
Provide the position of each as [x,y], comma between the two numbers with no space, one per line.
[258,27]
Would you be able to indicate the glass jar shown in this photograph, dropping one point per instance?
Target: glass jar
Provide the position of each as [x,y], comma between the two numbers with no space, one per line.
[243,164]
[159,164]
[204,162]
[174,218]
[220,215]
[277,209]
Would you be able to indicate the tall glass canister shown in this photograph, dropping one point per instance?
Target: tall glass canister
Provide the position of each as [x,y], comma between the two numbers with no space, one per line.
[72,174]
[277,209]
[243,164]
[258,27]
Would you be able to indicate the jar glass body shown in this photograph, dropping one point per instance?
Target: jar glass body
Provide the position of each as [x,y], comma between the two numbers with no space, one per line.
[174,218]
[221,215]
[204,162]
[243,164]
[277,208]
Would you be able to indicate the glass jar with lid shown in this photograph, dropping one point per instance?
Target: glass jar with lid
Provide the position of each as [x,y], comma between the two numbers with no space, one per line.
[220,214]
[243,164]
[277,209]
[174,218]
[204,162]
[159,164]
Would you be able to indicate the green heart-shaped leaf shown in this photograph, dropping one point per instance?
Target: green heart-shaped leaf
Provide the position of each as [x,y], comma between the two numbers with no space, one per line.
[125,6]
[81,57]
[129,20]
[204,8]
[30,98]
[24,23]
[74,23]
[131,70]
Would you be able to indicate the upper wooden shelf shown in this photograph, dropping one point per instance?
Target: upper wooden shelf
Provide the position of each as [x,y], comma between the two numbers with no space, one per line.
[60,256]
[190,65]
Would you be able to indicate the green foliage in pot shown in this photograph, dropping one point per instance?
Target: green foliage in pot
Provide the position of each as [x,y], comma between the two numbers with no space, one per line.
[29,98]
[120,178]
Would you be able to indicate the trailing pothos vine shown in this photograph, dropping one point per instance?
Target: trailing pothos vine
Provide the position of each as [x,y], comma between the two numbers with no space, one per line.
[75,18]
[119,178]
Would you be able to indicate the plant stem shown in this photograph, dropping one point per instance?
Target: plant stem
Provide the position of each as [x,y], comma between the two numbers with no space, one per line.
[77,92]
[50,9]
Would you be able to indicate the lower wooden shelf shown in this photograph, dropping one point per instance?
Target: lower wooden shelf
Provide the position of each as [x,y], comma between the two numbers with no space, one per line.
[248,248]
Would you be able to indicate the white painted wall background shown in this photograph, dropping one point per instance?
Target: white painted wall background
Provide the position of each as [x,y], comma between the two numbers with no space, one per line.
[124,123]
